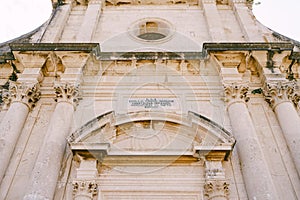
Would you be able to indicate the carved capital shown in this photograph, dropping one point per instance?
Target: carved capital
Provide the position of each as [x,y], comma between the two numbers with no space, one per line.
[279,92]
[27,93]
[84,188]
[66,92]
[216,188]
[236,92]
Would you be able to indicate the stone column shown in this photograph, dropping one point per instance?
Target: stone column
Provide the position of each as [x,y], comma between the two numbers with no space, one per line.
[215,187]
[85,186]
[257,177]
[281,97]
[22,98]
[45,173]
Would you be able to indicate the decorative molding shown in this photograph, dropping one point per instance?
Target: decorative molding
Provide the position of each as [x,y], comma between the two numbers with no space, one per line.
[216,188]
[27,93]
[66,92]
[236,92]
[84,188]
[278,92]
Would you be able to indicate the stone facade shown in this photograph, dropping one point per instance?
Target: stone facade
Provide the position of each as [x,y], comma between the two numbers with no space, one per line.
[150,99]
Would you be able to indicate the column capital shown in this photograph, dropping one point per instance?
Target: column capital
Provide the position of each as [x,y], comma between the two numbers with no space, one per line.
[236,92]
[278,92]
[216,189]
[84,188]
[67,92]
[26,93]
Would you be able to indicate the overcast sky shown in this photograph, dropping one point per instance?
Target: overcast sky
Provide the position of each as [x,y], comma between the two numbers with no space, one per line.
[18,17]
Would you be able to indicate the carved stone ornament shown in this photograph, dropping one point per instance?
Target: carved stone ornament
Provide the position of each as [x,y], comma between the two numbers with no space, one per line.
[279,92]
[216,189]
[295,98]
[236,92]
[85,188]
[27,93]
[66,92]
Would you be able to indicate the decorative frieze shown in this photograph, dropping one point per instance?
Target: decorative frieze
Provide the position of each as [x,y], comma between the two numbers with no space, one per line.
[27,93]
[279,92]
[236,92]
[66,92]
[84,188]
[216,189]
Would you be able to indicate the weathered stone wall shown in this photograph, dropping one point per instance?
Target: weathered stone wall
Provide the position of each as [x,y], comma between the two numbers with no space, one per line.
[71,115]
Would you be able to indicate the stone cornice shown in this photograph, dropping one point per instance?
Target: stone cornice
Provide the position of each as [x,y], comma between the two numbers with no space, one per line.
[84,47]
[247,46]
[95,48]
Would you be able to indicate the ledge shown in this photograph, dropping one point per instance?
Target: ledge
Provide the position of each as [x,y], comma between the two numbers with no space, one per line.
[95,48]
[85,47]
[274,46]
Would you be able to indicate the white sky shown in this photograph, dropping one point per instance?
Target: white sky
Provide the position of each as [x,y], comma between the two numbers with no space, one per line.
[18,17]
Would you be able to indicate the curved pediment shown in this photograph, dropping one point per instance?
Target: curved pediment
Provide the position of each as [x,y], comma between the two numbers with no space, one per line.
[152,133]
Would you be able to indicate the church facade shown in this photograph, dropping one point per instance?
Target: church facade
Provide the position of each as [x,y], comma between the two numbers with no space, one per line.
[150,99]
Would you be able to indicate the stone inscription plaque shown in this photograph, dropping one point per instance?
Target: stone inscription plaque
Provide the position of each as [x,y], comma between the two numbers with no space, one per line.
[150,103]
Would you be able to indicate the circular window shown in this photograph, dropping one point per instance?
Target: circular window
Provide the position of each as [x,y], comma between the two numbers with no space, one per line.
[151,30]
